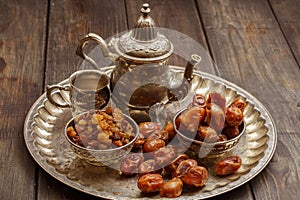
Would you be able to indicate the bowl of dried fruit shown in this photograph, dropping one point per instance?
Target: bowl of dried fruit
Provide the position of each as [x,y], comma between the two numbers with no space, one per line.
[209,127]
[101,137]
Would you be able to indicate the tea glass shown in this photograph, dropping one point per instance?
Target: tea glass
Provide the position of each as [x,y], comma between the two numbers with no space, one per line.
[87,89]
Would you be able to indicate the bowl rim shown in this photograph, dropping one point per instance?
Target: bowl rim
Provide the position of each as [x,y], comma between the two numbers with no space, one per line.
[131,121]
[202,142]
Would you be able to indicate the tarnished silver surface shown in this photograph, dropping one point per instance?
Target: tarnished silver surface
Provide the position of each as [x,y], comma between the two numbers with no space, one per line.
[44,137]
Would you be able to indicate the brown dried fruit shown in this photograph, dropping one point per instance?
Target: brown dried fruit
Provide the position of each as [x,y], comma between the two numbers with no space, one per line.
[207,134]
[150,183]
[171,168]
[147,128]
[164,156]
[218,99]
[196,176]
[239,103]
[153,144]
[231,131]
[183,167]
[215,116]
[192,118]
[148,167]
[234,116]
[228,166]
[131,164]
[172,188]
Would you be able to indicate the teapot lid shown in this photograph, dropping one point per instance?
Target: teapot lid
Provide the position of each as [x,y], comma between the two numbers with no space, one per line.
[144,43]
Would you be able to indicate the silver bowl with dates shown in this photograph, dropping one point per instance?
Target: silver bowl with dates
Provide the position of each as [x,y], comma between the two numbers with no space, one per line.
[210,128]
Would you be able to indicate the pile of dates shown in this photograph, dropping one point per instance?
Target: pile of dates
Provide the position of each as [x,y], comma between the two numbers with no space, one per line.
[170,180]
[162,168]
[210,120]
[159,160]
[180,171]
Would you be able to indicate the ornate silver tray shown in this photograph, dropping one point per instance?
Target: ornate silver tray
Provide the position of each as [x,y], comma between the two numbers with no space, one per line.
[43,134]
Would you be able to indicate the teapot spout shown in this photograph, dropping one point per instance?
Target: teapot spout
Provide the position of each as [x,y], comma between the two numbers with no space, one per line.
[184,87]
[188,73]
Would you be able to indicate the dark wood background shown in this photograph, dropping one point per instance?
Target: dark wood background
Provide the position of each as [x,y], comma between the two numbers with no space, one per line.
[255,44]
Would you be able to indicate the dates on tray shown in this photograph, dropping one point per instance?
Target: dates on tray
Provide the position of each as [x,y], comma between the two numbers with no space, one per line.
[172,188]
[152,145]
[149,167]
[150,183]
[162,169]
[228,166]
[184,167]
[164,156]
[196,176]
[171,168]
[147,128]
[131,164]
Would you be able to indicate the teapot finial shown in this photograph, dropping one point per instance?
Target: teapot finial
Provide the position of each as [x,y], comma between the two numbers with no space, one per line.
[145,26]
[145,10]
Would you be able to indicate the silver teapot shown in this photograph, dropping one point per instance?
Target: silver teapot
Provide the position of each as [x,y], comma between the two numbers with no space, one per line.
[142,77]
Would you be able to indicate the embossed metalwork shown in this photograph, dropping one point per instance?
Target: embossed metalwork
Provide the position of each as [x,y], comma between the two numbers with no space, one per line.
[107,157]
[201,149]
[44,137]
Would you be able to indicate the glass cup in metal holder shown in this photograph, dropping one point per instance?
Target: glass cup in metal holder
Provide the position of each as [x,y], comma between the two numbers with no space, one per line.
[88,90]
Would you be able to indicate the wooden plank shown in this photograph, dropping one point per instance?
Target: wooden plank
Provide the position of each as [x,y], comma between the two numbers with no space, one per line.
[288,16]
[69,21]
[181,16]
[252,52]
[22,43]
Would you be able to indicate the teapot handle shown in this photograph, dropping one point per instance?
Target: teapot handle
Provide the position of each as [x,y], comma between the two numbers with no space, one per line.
[100,41]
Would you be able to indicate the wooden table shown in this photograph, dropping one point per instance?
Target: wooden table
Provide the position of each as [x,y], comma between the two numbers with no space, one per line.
[255,44]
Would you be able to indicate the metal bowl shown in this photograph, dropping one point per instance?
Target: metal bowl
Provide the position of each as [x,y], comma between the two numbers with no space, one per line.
[106,157]
[200,149]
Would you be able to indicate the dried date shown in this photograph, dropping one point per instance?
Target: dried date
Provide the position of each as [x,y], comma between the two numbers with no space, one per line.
[171,168]
[234,116]
[239,103]
[138,143]
[152,145]
[215,116]
[196,176]
[147,128]
[172,188]
[192,117]
[170,129]
[131,164]
[161,134]
[218,99]
[183,167]
[148,167]
[164,156]
[207,134]
[222,138]
[199,100]
[231,132]
[150,183]
[228,166]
